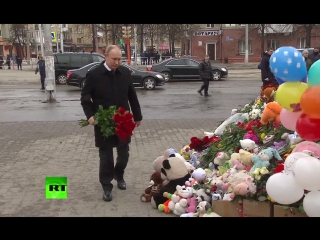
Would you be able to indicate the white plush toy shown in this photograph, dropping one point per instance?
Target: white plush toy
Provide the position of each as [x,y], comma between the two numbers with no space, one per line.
[202,195]
[197,176]
[204,209]
[179,203]
[248,145]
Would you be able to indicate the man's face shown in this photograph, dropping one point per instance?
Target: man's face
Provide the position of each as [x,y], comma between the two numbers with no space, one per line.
[316,50]
[270,51]
[207,58]
[113,59]
[306,55]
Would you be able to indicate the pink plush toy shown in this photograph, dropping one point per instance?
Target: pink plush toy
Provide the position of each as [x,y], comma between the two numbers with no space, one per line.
[307,145]
[192,204]
[239,165]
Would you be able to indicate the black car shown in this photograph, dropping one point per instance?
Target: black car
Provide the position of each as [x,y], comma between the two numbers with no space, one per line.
[63,62]
[185,68]
[147,80]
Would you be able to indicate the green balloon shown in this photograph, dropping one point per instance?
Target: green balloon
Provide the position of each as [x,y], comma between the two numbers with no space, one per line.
[314,74]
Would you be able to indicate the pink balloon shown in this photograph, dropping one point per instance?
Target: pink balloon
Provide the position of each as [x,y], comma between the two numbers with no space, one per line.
[289,119]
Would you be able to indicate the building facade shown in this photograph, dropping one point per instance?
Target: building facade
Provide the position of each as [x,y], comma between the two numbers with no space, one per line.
[226,42]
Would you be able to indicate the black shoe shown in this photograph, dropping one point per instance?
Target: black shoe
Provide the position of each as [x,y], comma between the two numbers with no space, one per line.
[200,93]
[42,88]
[121,184]
[207,95]
[107,196]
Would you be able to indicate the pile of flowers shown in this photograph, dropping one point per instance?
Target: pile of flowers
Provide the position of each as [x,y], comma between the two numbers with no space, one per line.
[113,121]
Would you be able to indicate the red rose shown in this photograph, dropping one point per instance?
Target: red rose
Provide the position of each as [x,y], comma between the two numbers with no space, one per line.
[279,168]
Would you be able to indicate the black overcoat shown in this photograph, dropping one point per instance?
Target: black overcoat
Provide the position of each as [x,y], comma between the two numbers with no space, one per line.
[105,88]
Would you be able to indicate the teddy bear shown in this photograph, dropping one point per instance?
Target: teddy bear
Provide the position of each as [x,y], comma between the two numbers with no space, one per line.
[219,160]
[185,152]
[204,209]
[157,164]
[268,94]
[248,145]
[194,156]
[192,204]
[263,158]
[189,166]
[175,171]
[202,195]
[309,146]
[271,113]
[197,177]
[243,188]
[241,160]
[155,184]
[179,203]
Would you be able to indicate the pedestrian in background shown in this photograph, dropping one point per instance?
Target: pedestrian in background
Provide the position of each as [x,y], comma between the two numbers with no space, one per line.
[19,62]
[205,72]
[8,61]
[267,77]
[315,55]
[308,61]
[41,68]
[110,84]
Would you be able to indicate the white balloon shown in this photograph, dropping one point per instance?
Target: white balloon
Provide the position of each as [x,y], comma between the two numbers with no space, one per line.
[283,189]
[311,204]
[291,159]
[307,173]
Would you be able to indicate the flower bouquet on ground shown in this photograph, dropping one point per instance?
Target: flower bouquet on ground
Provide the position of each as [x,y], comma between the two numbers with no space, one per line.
[113,121]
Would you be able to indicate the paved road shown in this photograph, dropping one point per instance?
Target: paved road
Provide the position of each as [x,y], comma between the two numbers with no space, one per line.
[41,139]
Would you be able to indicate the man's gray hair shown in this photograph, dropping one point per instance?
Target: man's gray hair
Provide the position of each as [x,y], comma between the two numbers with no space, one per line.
[305,51]
[110,48]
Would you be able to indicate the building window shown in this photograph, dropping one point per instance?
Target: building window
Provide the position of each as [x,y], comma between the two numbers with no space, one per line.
[301,43]
[79,40]
[230,25]
[79,28]
[58,36]
[275,44]
[64,25]
[242,46]
[0,33]
[210,25]
[36,27]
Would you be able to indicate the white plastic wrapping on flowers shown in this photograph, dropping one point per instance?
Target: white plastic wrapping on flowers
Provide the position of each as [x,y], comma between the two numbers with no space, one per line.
[237,117]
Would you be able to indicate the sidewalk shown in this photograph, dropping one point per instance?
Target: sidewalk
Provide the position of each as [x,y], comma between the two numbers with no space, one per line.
[31,151]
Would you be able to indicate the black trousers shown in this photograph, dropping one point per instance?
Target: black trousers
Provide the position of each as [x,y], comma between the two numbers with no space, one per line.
[42,79]
[205,86]
[107,169]
[19,66]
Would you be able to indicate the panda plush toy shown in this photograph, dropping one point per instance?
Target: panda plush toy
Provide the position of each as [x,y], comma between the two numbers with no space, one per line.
[176,173]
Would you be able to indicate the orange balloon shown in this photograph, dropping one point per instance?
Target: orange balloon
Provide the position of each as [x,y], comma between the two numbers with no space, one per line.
[310,102]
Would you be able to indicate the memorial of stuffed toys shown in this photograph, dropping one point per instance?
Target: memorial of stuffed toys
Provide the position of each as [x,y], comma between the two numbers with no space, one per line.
[263,160]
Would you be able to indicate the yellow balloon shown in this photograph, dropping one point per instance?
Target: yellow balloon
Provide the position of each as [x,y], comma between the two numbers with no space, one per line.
[289,94]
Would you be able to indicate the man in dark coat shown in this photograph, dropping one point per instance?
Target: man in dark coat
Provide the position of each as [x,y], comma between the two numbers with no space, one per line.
[205,72]
[19,62]
[315,55]
[267,76]
[41,68]
[110,84]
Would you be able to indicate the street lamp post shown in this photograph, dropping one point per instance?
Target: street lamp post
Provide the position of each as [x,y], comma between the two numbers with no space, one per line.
[246,57]
[61,38]
[50,82]
[41,39]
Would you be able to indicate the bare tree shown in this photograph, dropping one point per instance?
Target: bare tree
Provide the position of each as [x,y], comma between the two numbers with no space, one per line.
[17,35]
[176,31]
[308,31]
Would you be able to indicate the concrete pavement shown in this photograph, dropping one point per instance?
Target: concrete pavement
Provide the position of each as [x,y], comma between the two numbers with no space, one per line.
[33,149]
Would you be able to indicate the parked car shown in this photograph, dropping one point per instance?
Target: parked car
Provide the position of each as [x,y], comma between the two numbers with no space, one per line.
[63,62]
[185,68]
[147,80]
[310,50]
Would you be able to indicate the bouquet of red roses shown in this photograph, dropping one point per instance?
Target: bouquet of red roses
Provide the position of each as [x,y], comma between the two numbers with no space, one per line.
[113,121]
